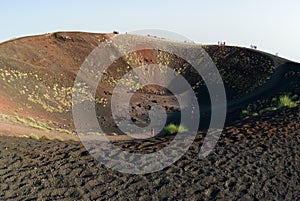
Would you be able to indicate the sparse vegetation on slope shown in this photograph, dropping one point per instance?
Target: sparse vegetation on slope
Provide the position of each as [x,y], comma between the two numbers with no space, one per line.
[37,76]
[272,104]
[172,129]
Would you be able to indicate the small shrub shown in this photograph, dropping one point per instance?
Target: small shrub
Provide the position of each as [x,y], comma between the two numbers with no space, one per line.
[34,137]
[44,125]
[245,113]
[73,139]
[45,137]
[172,128]
[32,120]
[39,127]
[64,131]
[19,119]
[5,117]
[286,101]
[41,124]
[181,129]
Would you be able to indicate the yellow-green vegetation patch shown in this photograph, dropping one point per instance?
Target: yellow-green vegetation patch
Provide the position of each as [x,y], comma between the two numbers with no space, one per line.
[34,137]
[40,128]
[73,139]
[21,120]
[58,138]
[82,91]
[273,104]
[33,123]
[44,125]
[45,137]
[30,86]
[172,128]
[4,117]
[64,131]
[32,120]
[102,101]
[29,121]
[245,113]
[286,101]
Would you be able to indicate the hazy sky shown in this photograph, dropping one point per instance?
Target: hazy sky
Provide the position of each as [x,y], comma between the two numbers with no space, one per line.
[274,26]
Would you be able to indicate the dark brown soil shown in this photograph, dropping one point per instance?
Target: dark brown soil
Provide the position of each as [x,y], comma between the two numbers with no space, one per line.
[254,160]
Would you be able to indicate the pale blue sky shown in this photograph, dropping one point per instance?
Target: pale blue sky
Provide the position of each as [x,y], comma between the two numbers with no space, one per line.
[271,25]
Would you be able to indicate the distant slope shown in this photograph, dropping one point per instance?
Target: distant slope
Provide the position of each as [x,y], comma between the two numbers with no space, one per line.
[37,74]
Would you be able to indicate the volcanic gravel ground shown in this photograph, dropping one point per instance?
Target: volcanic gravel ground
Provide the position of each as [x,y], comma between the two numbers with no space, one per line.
[253,160]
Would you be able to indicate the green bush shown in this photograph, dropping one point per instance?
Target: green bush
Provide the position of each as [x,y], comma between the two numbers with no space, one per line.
[32,120]
[64,131]
[39,127]
[45,137]
[34,137]
[286,101]
[245,113]
[41,124]
[5,117]
[58,138]
[73,139]
[172,128]
[21,120]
